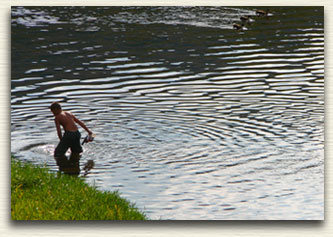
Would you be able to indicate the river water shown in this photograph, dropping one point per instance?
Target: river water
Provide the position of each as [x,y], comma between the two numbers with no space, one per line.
[193,119]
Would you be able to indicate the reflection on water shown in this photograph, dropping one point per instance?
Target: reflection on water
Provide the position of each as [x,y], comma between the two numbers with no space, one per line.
[194,119]
[71,165]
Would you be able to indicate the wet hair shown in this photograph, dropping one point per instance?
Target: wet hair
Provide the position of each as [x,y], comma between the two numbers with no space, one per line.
[55,106]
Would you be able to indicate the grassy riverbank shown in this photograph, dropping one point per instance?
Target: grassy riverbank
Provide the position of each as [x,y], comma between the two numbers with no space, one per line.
[37,194]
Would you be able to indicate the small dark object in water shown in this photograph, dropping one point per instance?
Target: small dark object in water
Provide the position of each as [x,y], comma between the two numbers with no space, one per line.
[262,12]
[88,138]
[245,18]
[89,165]
[238,26]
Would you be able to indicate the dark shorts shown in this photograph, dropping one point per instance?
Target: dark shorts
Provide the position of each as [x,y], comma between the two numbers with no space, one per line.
[69,140]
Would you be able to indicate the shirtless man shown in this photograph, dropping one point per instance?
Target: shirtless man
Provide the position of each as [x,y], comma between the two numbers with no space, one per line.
[71,137]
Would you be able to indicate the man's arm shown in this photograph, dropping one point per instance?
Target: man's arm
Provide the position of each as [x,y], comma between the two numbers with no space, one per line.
[81,124]
[58,128]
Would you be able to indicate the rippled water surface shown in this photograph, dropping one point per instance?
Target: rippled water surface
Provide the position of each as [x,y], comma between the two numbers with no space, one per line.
[193,119]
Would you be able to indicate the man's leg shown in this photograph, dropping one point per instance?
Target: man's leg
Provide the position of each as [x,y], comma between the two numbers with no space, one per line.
[76,149]
[75,158]
[59,154]
[62,162]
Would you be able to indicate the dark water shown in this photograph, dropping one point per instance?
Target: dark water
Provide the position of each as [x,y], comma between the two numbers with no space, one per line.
[193,119]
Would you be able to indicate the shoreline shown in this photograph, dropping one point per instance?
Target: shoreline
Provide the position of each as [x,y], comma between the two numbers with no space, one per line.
[38,194]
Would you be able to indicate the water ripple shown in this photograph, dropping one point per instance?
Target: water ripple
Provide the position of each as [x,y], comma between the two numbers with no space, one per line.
[207,121]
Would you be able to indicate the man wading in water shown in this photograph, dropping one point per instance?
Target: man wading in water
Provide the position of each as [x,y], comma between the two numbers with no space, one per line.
[70,139]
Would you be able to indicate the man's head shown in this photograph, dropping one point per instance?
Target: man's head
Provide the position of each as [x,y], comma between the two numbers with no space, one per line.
[55,108]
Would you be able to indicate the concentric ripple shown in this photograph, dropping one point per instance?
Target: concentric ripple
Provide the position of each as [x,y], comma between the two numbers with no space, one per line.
[194,120]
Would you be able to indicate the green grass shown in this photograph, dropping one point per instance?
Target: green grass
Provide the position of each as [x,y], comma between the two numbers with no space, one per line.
[38,194]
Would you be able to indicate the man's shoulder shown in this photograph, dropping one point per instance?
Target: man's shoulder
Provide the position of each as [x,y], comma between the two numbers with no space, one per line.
[63,114]
[67,113]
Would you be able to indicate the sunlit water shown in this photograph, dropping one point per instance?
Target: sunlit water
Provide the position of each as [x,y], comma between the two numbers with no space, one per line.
[193,119]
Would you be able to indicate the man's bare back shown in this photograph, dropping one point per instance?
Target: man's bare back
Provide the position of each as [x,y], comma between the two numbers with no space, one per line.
[67,121]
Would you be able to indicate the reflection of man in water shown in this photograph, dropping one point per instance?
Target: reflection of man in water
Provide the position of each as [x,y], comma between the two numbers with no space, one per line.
[70,139]
[72,166]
